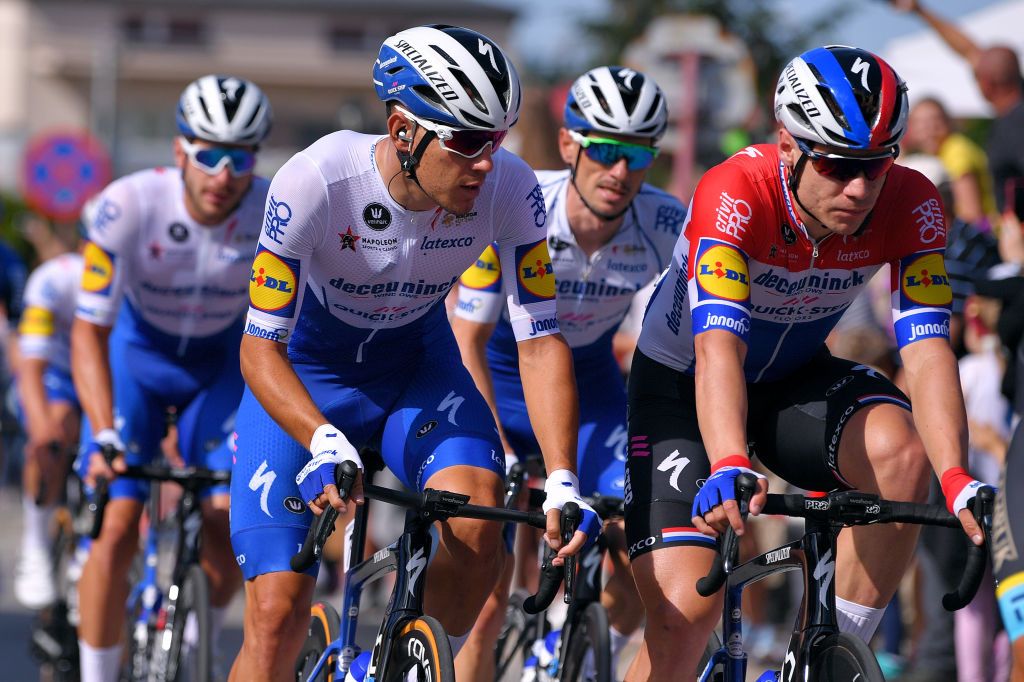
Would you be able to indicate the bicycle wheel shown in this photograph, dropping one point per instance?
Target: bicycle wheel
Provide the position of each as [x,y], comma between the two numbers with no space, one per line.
[193,603]
[844,658]
[716,674]
[421,651]
[517,635]
[587,655]
[324,626]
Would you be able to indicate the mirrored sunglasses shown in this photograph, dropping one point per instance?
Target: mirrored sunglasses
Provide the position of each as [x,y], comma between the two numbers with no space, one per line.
[466,143]
[609,152]
[846,168]
[212,160]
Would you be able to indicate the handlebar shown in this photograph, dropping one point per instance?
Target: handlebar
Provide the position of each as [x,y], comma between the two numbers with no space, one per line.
[98,504]
[855,508]
[551,576]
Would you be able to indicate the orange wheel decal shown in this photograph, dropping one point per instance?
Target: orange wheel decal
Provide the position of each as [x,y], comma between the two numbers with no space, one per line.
[317,611]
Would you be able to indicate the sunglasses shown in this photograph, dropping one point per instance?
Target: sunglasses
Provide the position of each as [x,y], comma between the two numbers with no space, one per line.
[212,160]
[609,152]
[466,143]
[846,168]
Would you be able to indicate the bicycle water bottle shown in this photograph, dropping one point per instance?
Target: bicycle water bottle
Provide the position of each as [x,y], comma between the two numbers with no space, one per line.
[769,676]
[542,666]
[357,671]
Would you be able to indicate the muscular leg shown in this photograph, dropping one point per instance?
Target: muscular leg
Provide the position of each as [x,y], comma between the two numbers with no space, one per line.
[879,453]
[476,660]
[218,559]
[620,597]
[103,588]
[471,554]
[276,617]
[678,619]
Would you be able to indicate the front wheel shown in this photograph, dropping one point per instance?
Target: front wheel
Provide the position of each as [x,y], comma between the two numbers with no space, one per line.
[587,654]
[324,626]
[421,651]
[844,658]
[190,655]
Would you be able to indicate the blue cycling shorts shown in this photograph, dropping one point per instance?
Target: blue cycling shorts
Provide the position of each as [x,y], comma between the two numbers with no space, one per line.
[601,446]
[59,389]
[423,407]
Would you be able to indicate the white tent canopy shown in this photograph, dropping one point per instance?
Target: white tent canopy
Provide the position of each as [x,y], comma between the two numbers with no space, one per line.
[931,69]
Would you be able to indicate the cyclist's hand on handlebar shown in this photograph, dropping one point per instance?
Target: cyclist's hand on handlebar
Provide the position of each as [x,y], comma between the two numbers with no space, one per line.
[562,486]
[715,507]
[100,465]
[329,447]
[959,488]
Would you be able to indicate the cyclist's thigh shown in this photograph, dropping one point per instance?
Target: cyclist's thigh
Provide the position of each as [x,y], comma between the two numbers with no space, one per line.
[666,460]
[1007,563]
[269,519]
[440,420]
[208,419]
[601,454]
[797,424]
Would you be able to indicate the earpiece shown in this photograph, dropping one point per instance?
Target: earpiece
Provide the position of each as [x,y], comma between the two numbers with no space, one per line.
[403,134]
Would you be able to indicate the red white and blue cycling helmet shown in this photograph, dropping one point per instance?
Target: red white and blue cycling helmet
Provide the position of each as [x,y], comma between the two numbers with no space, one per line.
[449,75]
[842,97]
[617,100]
[224,109]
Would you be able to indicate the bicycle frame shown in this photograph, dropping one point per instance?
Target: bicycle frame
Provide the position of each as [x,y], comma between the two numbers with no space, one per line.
[814,556]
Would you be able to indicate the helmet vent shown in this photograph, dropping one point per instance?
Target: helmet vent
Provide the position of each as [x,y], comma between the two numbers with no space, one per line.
[426,92]
[798,111]
[833,106]
[445,55]
[394,70]
[651,112]
[470,89]
[479,122]
[599,96]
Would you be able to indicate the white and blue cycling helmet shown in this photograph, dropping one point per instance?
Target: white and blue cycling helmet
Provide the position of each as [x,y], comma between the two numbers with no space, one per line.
[224,109]
[617,100]
[449,75]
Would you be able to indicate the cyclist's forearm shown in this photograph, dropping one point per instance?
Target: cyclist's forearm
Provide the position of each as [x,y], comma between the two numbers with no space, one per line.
[90,370]
[549,386]
[721,394]
[933,380]
[472,338]
[270,377]
[32,393]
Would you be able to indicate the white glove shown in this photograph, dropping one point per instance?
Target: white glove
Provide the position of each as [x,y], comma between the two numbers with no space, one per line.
[329,447]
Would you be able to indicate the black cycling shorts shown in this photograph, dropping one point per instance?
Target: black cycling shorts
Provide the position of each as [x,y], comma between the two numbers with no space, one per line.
[794,425]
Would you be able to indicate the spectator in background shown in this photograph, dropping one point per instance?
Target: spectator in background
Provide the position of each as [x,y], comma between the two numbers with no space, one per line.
[997,72]
[930,131]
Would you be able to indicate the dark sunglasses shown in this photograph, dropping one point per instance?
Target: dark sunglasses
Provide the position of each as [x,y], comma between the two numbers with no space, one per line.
[467,143]
[609,152]
[846,168]
[211,160]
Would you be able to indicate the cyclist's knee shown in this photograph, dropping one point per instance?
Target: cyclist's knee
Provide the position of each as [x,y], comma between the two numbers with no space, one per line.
[902,468]
[273,614]
[119,537]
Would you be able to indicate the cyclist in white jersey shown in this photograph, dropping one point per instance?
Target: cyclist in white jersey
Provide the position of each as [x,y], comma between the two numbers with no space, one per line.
[165,285]
[50,414]
[609,234]
[347,341]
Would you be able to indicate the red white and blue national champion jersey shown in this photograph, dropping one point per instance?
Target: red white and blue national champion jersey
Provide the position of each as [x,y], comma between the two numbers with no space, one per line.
[746,264]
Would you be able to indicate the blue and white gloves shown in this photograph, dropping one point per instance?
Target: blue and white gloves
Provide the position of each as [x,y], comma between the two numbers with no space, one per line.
[329,448]
[93,465]
[721,484]
[562,486]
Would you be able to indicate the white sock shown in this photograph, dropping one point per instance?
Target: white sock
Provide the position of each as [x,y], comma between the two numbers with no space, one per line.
[37,526]
[618,643]
[99,665]
[858,619]
[457,643]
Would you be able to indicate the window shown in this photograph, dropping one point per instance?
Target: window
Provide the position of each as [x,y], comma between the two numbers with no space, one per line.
[159,30]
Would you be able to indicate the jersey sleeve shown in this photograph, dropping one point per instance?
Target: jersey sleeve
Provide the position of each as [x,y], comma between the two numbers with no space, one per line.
[480,288]
[719,241]
[37,327]
[297,208]
[920,288]
[522,250]
[113,234]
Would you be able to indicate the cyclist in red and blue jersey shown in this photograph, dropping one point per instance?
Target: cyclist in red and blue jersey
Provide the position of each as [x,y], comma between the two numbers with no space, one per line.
[779,240]
[347,341]
[609,235]
[158,323]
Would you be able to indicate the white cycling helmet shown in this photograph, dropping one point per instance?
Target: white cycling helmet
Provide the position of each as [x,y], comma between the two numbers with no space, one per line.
[449,75]
[224,109]
[842,97]
[617,100]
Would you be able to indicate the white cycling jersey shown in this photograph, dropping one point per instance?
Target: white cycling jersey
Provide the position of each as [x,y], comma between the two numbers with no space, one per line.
[45,328]
[182,278]
[593,293]
[333,233]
